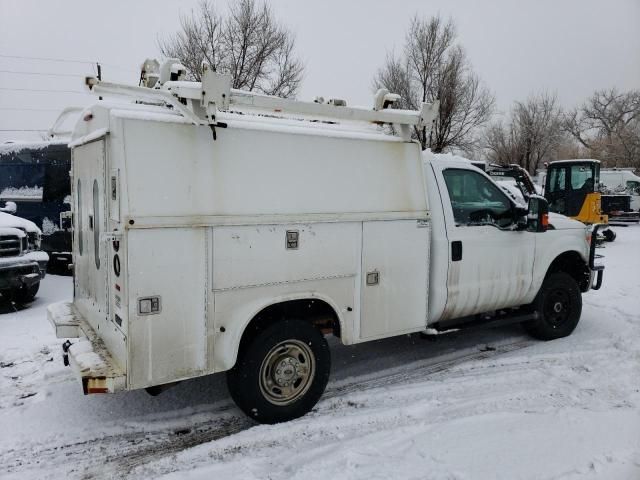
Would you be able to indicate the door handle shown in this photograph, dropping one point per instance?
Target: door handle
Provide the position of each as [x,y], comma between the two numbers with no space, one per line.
[90,222]
[456,251]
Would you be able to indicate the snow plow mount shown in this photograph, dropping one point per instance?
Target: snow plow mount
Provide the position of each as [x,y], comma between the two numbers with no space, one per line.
[199,102]
[89,358]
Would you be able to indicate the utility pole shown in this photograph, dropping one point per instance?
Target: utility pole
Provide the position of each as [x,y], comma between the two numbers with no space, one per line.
[99,68]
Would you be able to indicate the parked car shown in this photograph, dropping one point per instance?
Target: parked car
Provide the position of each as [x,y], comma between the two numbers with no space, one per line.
[22,263]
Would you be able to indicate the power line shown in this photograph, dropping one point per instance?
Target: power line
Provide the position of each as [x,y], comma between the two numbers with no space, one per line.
[46,59]
[64,60]
[21,130]
[44,90]
[19,72]
[19,109]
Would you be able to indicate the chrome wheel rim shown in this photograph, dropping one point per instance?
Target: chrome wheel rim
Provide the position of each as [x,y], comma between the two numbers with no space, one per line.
[287,372]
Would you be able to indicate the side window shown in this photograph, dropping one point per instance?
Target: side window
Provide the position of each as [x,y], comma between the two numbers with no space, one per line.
[582,178]
[79,213]
[96,223]
[476,200]
[633,187]
[557,180]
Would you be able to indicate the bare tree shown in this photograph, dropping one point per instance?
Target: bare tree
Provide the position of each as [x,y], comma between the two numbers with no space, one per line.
[248,42]
[432,67]
[532,134]
[608,126]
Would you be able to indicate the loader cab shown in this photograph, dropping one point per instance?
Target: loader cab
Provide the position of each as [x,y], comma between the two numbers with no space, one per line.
[571,188]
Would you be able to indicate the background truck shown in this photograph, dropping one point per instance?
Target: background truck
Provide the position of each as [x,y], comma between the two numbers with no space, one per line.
[22,264]
[35,177]
[217,230]
[622,181]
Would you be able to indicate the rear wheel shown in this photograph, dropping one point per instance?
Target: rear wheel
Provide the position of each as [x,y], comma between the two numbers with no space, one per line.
[26,294]
[559,305]
[281,372]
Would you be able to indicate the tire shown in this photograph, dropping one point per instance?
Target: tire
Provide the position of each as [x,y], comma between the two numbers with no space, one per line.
[26,294]
[281,372]
[609,235]
[559,305]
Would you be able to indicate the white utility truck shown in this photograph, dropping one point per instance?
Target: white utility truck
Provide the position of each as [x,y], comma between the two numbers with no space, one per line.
[622,180]
[219,230]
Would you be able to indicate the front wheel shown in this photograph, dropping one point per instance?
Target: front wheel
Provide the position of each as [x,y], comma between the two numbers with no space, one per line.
[609,235]
[281,372]
[559,305]
[26,294]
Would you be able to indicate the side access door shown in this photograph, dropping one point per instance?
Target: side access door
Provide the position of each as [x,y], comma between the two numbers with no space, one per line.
[90,221]
[490,263]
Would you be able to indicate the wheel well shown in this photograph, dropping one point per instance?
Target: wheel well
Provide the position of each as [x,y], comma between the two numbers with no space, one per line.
[312,310]
[573,264]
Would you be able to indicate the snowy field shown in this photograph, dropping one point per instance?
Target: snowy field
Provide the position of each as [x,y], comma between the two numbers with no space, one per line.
[490,404]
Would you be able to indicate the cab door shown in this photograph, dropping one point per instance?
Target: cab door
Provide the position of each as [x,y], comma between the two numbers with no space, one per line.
[490,263]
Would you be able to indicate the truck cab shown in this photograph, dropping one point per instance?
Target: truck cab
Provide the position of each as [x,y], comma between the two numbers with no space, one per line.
[493,260]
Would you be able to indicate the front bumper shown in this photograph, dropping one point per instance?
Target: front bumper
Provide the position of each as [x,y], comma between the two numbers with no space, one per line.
[19,274]
[89,358]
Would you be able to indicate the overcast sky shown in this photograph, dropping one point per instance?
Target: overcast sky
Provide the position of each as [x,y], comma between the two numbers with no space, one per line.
[570,47]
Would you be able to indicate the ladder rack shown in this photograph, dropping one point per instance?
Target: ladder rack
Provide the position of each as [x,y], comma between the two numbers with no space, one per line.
[200,102]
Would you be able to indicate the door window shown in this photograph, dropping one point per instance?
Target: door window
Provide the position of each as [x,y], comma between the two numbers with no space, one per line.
[582,178]
[79,212]
[557,180]
[96,223]
[476,200]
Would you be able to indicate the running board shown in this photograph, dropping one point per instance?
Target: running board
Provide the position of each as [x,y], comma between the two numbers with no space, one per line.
[491,322]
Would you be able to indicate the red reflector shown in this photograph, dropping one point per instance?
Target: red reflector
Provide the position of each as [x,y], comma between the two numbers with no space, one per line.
[117,287]
[97,390]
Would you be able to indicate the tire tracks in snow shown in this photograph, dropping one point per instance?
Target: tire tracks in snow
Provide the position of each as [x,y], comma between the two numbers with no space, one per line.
[118,455]
[419,369]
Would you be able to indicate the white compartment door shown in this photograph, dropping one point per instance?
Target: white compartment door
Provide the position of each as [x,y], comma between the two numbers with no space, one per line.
[89,257]
[395,265]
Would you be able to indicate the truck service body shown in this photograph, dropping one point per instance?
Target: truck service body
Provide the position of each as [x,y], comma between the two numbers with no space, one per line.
[195,243]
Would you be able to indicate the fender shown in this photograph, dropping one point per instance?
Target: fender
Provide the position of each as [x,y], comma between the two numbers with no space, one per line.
[226,344]
[549,246]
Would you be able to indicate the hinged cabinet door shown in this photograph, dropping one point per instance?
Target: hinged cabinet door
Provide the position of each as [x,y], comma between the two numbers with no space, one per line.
[395,266]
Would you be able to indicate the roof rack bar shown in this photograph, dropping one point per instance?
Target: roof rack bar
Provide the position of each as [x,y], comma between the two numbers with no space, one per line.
[145,94]
[200,102]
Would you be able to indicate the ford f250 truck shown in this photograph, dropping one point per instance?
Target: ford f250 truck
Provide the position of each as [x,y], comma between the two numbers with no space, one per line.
[220,231]
[22,264]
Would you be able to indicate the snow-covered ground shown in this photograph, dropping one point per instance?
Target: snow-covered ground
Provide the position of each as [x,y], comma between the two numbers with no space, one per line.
[490,404]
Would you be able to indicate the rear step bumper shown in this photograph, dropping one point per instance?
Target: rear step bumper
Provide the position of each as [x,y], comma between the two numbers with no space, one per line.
[89,358]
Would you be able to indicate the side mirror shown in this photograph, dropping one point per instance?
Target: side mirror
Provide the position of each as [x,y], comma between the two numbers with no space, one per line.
[9,207]
[537,214]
